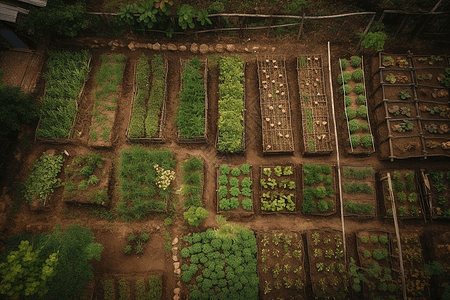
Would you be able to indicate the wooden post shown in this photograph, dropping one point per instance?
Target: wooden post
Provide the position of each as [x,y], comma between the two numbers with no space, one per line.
[241,32]
[365,32]
[268,28]
[301,27]
[382,17]
[218,28]
[402,24]
[427,20]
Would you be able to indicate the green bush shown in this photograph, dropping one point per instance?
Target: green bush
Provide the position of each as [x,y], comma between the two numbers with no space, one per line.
[236,172]
[193,164]
[322,205]
[374,40]
[224,204]
[412,197]
[355,140]
[367,254]
[348,101]
[353,125]
[234,191]
[364,126]
[309,206]
[234,182]
[247,204]
[345,88]
[351,113]
[380,254]
[245,169]
[361,100]
[347,76]
[353,207]
[401,197]
[366,140]
[374,239]
[359,88]
[357,75]
[246,183]
[362,111]
[222,192]
[320,192]
[224,170]
[364,239]
[195,215]
[355,61]
[383,239]
[223,180]
[344,63]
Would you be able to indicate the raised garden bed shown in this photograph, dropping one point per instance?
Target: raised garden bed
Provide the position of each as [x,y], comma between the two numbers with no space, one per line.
[417,283]
[87,179]
[374,278]
[431,61]
[278,189]
[106,92]
[221,266]
[407,195]
[327,266]
[60,101]
[281,267]
[438,193]
[148,288]
[318,188]
[314,105]
[235,189]
[43,179]
[193,179]
[440,252]
[420,99]
[358,191]
[148,112]
[354,96]
[394,61]
[275,105]
[192,114]
[231,122]
[144,178]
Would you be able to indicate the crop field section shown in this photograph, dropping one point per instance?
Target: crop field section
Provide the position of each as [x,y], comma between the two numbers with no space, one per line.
[149,100]
[314,105]
[412,106]
[275,105]
[234,189]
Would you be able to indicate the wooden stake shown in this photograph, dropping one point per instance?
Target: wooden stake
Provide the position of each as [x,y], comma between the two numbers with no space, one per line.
[301,27]
[268,28]
[365,32]
[402,24]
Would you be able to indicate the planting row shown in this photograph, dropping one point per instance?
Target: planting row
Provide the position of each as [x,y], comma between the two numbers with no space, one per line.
[151,288]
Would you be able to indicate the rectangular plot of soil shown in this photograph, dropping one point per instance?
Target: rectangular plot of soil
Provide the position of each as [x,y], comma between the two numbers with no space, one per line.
[435,94]
[438,192]
[358,186]
[278,189]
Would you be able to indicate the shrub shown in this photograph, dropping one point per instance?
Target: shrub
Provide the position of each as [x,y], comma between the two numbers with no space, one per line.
[355,140]
[223,180]
[357,75]
[362,111]
[222,192]
[247,204]
[347,76]
[364,239]
[234,203]
[383,239]
[224,204]
[234,191]
[359,88]
[224,170]
[380,254]
[374,239]
[353,125]
[309,206]
[351,113]
[344,63]
[322,205]
[366,140]
[401,197]
[361,100]
[348,101]
[345,88]
[355,61]
[236,172]
[195,215]
[234,182]
[367,254]
[245,169]
[374,40]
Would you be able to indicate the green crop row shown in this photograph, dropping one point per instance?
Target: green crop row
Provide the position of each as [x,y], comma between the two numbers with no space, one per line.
[67,71]
[138,112]
[156,99]
[231,104]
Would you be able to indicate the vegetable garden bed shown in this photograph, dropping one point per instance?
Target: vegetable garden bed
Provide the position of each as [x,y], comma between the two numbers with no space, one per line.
[148,112]
[108,89]
[440,252]
[407,195]
[375,276]
[231,122]
[281,265]
[358,186]
[275,105]
[437,193]
[144,177]
[192,114]
[417,283]
[413,113]
[193,181]
[327,264]
[234,188]
[60,101]
[353,90]
[149,288]
[314,105]
[318,188]
[220,267]
[278,192]
[87,180]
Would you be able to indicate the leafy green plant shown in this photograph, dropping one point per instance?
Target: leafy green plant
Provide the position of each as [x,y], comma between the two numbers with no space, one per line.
[359,88]
[345,77]
[374,40]
[355,140]
[156,99]
[390,78]
[404,95]
[357,75]
[361,100]
[367,254]
[236,172]
[124,289]
[155,287]
[363,239]
[353,125]
[278,171]
[348,101]
[195,215]
[224,170]
[247,204]
[245,169]
[366,140]
[351,113]
[357,208]
[402,211]
[355,61]
[185,14]
[345,88]
[344,63]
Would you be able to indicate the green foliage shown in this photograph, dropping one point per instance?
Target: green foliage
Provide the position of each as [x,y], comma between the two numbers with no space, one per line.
[362,111]
[356,173]
[367,254]
[345,88]
[246,183]
[323,205]
[353,125]
[234,191]
[348,101]
[374,40]
[364,239]
[355,61]
[155,102]
[361,100]
[404,95]
[222,192]
[383,239]
[295,7]
[155,287]
[108,289]
[359,88]
[247,204]
[138,112]
[351,113]
[366,140]
[224,170]
[185,14]
[231,104]
[245,169]
[58,109]
[309,206]
[434,268]
[139,290]
[401,197]
[124,289]
[344,63]
[355,140]
[193,164]
[380,254]
[355,188]
[374,239]
[236,172]
[347,77]
[57,17]
[357,75]
[357,208]
[127,249]
[43,178]
[234,182]
[191,112]
[195,215]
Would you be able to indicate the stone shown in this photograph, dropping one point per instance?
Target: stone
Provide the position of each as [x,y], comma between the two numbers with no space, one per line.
[171,47]
[150,46]
[211,49]
[247,50]
[219,48]
[96,41]
[113,48]
[194,48]
[176,291]
[231,48]
[175,258]
[174,249]
[158,227]
[175,241]
[177,271]
[115,44]
[179,283]
[204,49]
[163,47]
[131,46]
[182,48]
[255,48]
[176,265]
[110,43]
[156,46]
[273,49]
[176,297]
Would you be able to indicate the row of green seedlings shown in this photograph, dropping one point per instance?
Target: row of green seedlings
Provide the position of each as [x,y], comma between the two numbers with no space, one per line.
[378,254]
[108,78]
[136,241]
[441,189]
[318,181]
[289,274]
[191,112]
[231,104]
[145,177]
[356,188]
[229,177]
[43,180]
[192,191]
[277,194]
[355,125]
[405,195]
[221,264]
[330,279]
[81,180]
[141,293]
[145,114]
[65,76]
